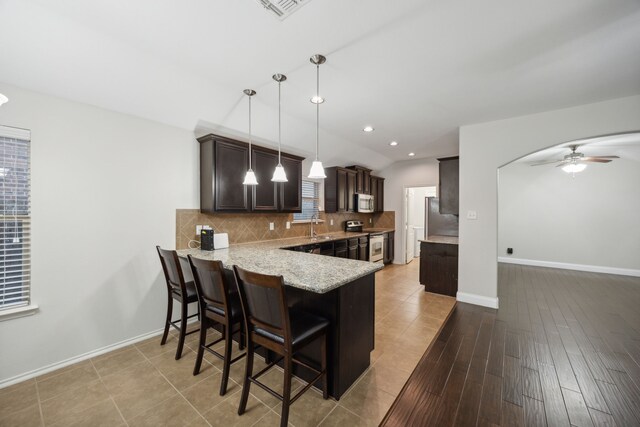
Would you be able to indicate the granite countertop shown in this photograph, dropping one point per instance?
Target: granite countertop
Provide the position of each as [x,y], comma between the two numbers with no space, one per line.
[378,230]
[311,272]
[450,240]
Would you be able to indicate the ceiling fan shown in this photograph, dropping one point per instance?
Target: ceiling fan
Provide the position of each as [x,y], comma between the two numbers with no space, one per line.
[575,161]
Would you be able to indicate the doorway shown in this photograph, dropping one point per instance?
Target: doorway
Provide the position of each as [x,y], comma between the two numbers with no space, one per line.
[414,221]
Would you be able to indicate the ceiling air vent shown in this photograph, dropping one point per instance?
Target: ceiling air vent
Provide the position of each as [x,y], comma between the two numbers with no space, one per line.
[281,9]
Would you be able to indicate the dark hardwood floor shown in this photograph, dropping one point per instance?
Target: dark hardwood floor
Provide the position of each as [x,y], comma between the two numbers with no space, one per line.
[563,349]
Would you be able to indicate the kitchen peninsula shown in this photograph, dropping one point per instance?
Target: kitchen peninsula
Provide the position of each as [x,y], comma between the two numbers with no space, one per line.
[341,290]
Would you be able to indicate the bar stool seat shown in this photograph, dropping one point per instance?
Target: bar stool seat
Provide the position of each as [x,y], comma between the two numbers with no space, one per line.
[305,327]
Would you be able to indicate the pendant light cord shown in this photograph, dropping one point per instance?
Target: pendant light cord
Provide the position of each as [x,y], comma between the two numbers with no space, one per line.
[250,132]
[317,108]
[279,123]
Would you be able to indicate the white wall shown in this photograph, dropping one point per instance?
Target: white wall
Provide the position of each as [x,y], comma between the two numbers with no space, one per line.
[590,220]
[408,173]
[487,146]
[105,187]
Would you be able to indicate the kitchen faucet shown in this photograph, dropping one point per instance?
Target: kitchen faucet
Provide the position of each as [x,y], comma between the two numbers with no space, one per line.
[312,231]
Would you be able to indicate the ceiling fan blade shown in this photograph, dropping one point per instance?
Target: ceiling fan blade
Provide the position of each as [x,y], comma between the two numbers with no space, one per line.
[547,162]
[601,157]
[595,160]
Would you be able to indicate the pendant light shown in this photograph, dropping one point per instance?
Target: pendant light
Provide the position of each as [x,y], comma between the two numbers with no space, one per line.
[317,171]
[250,177]
[279,175]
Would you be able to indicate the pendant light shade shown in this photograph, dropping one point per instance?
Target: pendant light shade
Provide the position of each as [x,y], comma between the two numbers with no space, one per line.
[279,175]
[250,177]
[317,170]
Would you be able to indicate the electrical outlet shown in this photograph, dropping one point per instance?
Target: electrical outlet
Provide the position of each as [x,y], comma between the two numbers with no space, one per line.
[288,225]
[472,215]
[331,221]
[272,226]
[370,220]
[198,229]
[510,251]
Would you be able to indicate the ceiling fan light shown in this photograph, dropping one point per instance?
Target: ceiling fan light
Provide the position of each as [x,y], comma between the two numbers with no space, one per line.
[3,99]
[574,167]
[250,178]
[317,170]
[279,175]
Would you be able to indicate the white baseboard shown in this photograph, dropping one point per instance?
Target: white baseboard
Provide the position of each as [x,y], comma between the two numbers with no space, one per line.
[568,266]
[477,299]
[54,366]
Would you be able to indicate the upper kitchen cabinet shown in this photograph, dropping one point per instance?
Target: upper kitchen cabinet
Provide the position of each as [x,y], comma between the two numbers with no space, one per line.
[264,196]
[377,191]
[291,191]
[339,190]
[223,164]
[449,184]
[363,179]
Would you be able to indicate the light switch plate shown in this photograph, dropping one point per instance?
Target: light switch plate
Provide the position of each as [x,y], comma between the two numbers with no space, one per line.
[370,220]
[331,222]
[472,215]
[272,226]
[288,225]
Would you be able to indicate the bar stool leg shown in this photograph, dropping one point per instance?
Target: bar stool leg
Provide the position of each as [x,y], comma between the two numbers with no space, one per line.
[167,323]
[183,329]
[201,344]
[323,367]
[246,383]
[286,393]
[228,342]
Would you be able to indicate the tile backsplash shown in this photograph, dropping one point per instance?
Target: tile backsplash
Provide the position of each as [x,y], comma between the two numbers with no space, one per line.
[251,227]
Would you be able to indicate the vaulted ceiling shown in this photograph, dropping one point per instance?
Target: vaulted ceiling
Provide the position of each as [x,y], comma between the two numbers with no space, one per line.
[415,70]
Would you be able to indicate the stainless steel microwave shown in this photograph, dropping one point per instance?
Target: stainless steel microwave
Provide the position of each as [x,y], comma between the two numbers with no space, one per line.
[365,203]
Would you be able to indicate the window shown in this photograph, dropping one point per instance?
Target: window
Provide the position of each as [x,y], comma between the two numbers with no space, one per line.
[310,201]
[15,220]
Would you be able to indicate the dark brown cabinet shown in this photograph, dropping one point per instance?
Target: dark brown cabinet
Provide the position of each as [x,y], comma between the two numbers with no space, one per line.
[264,196]
[439,268]
[291,191]
[363,179]
[341,249]
[363,249]
[449,175]
[377,191]
[389,247]
[339,190]
[223,164]
[353,245]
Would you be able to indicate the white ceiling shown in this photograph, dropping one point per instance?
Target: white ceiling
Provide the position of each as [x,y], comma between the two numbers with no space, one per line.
[415,70]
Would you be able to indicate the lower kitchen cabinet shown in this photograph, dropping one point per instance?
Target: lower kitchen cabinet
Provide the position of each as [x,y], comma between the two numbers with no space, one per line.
[363,249]
[389,247]
[439,268]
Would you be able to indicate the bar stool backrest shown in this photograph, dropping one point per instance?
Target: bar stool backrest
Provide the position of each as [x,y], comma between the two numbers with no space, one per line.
[264,302]
[172,271]
[208,276]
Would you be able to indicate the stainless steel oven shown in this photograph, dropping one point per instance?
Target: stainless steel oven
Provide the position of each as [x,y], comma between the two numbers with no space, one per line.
[376,248]
[364,203]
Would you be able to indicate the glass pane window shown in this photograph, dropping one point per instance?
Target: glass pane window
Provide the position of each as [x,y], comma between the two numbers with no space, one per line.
[310,201]
[15,220]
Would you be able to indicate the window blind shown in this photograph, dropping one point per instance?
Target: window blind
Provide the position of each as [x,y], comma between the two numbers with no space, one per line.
[15,220]
[310,201]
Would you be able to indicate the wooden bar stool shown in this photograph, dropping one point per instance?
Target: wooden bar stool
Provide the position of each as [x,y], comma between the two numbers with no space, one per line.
[219,304]
[271,324]
[178,289]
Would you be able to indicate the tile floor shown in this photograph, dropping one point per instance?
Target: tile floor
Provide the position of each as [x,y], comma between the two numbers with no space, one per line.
[142,384]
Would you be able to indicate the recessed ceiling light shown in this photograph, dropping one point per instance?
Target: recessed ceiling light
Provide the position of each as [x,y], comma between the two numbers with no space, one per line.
[317,99]
[368,129]
[3,99]
[393,143]
[412,154]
